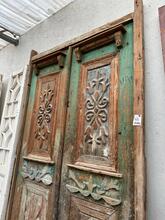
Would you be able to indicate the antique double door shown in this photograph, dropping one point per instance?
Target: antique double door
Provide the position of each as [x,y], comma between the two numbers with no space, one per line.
[76,160]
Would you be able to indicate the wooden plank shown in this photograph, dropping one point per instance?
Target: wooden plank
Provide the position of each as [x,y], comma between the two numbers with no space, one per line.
[139,158]
[162,30]
[93,170]
[95,31]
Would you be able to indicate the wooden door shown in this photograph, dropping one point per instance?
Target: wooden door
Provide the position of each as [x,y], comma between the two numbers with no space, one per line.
[97,171]
[79,152]
[37,178]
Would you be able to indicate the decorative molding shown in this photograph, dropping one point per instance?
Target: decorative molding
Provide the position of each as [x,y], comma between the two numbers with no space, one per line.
[104,188]
[56,58]
[114,35]
[78,54]
[43,121]
[61,60]
[97,138]
[82,38]
[38,172]
[118,39]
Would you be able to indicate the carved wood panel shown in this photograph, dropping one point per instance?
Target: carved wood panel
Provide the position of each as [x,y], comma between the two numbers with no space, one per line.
[97,112]
[34,202]
[85,210]
[43,122]
[102,189]
[38,172]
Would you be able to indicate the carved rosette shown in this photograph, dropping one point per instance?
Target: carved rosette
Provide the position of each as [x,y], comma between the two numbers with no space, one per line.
[37,172]
[107,189]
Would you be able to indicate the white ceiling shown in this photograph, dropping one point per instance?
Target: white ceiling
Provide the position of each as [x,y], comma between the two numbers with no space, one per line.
[19,16]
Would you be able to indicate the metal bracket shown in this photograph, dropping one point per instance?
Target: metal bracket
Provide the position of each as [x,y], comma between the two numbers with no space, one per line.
[9,36]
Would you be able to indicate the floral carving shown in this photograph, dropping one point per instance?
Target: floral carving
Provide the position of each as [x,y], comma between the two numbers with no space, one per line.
[96,110]
[107,190]
[39,173]
[44,117]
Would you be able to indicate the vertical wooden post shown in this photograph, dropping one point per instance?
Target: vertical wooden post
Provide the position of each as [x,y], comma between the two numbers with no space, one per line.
[139,166]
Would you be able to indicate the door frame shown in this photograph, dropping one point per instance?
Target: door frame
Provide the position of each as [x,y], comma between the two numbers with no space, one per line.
[138,102]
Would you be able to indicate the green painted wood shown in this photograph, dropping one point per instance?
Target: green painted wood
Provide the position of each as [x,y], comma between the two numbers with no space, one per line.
[125,129]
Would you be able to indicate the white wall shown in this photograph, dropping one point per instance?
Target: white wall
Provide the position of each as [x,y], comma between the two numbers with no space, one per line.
[81,16]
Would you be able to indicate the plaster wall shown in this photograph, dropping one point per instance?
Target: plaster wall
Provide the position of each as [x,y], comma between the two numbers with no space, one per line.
[81,16]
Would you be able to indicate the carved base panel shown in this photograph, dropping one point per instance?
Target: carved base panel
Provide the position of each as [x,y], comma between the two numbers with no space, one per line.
[101,189]
[34,202]
[84,210]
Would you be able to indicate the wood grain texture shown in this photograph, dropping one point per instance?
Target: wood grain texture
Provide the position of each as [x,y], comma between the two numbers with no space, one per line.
[97,112]
[89,181]
[37,173]
[139,155]
[162,30]
[111,25]
[89,189]
[43,119]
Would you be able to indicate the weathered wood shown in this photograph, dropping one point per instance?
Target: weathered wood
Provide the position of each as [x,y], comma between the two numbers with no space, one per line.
[43,121]
[74,41]
[162,30]
[39,177]
[93,169]
[95,111]
[83,165]
[139,155]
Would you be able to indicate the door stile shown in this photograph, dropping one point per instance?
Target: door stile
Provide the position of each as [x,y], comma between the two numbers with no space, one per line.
[139,150]
[62,126]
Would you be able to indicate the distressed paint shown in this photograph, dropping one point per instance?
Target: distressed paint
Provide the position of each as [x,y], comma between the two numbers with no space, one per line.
[125,129]
[39,173]
[98,187]
[125,135]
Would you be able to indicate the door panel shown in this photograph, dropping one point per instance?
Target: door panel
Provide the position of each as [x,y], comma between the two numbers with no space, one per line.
[36,192]
[77,152]
[97,175]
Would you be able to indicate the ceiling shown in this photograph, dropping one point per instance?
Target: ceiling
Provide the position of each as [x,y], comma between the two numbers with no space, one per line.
[19,16]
